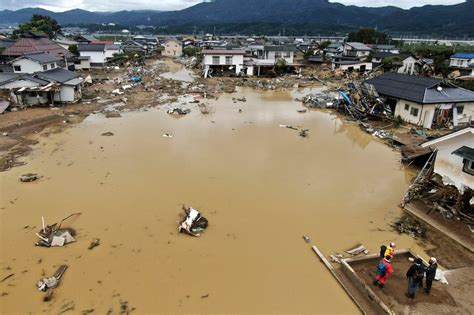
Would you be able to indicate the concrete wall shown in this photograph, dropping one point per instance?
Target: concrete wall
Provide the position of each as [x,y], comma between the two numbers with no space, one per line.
[172,49]
[424,114]
[30,66]
[97,57]
[354,67]
[450,166]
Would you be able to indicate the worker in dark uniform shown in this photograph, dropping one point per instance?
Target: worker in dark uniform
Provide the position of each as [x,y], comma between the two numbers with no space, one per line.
[430,272]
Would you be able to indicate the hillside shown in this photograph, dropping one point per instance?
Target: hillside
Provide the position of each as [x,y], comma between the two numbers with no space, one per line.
[304,16]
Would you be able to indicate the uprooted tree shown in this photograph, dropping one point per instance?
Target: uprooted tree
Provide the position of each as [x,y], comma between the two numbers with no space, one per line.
[40,24]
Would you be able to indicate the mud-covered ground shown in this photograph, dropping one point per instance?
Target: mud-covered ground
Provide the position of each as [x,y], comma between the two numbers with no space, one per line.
[260,185]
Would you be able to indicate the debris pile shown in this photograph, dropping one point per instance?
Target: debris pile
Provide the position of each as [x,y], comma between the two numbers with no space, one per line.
[53,235]
[30,177]
[193,223]
[407,225]
[49,284]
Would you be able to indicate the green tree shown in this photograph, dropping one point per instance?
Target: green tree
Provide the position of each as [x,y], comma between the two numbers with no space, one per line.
[368,36]
[324,45]
[41,24]
[73,50]
[190,51]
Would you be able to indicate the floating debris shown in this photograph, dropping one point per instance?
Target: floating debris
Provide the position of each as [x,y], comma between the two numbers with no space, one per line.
[30,177]
[95,242]
[178,111]
[107,134]
[193,223]
[356,250]
[53,235]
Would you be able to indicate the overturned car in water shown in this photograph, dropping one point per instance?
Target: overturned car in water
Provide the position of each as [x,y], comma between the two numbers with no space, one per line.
[194,223]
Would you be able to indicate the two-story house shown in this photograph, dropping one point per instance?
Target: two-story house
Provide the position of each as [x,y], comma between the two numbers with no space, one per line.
[98,54]
[35,62]
[356,50]
[223,59]
[172,48]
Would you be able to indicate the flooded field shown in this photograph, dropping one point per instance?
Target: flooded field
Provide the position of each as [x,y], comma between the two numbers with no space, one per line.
[261,187]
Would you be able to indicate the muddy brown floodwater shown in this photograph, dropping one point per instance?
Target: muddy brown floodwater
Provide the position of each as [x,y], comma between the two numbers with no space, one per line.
[261,187]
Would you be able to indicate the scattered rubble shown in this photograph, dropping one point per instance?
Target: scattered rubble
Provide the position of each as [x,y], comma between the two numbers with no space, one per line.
[29,177]
[193,223]
[48,284]
[95,242]
[408,225]
[53,235]
[357,250]
[178,111]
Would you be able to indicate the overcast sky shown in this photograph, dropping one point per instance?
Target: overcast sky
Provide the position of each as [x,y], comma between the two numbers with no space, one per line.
[165,5]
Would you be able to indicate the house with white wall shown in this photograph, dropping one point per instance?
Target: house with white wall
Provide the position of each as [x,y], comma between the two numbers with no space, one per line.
[423,101]
[463,60]
[223,59]
[455,157]
[35,62]
[98,54]
[352,65]
[42,88]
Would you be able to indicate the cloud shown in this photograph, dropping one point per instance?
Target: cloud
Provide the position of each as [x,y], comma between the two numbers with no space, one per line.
[167,5]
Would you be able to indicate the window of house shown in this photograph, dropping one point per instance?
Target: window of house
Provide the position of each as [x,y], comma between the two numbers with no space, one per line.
[45,67]
[468,167]
[228,60]
[17,68]
[277,55]
[414,111]
[215,60]
[407,107]
[460,109]
[287,54]
[53,65]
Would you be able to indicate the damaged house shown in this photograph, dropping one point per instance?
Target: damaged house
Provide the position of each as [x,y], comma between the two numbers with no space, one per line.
[42,88]
[35,43]
[223,60]
[426,102]
[353,58]
[455,157]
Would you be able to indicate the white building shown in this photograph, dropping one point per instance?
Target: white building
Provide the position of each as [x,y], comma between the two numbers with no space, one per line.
[98,54]
[349,66]
[35,62]
[455,157]
[462,60]
[425,101]
[223,59]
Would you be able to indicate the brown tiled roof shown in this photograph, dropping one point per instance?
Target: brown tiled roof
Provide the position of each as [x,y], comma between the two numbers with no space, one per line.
[32,45]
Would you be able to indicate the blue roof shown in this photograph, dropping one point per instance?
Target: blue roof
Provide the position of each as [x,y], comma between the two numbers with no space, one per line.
[463,55]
